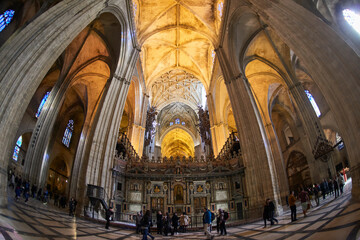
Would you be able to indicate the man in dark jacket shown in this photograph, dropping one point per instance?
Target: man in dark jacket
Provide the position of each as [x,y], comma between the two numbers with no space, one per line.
[272,212]
[145,225]
[159,222]
[175,222]
[108,214]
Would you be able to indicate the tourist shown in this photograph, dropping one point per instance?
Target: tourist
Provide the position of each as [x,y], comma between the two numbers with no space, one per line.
[323,189]
[272,212]
[304,198]
[46,195]
[218,221]
[139,216]
[145,225]
[336,186]
[331,189]
[341,183]
[316,194]
[33,190]
[175,223]
[292,203]
[207,222]
[159,222]
[167,224]
[224,216]
[184,221]
[266,213]
[72,206]
[109,212]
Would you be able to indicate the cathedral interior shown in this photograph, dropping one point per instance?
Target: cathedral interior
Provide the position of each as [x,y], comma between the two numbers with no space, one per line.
[177,105]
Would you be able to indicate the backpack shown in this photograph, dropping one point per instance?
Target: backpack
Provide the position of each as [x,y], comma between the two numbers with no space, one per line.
[226,215]
[212,216]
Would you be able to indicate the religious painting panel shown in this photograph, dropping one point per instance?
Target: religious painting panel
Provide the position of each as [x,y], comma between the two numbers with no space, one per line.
[178,194]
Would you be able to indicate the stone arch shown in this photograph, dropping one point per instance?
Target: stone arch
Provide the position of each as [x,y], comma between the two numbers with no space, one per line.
[298,171]
[287,17]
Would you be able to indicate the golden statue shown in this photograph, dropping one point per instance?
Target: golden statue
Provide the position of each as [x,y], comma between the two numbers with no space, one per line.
[200,189]
[157,189]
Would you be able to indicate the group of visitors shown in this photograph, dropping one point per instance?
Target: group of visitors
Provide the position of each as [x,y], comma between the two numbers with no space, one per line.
[22,188]
[221,217]
[332,186]
[167,224]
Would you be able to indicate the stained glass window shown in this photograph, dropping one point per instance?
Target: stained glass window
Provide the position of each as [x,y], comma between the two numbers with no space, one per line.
[339,139]
[17,148]
[171,123]
[220,8]
[313,103]
[42,104]
[183,123]
[6,18]
[352,18]
[68,133]
[177,121]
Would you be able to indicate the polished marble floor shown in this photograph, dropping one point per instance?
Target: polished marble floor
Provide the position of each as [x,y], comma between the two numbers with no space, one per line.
[333,219]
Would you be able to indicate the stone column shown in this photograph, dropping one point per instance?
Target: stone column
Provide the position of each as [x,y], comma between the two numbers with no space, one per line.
[138,135]
[260,174]
[333,65]
[219,130]
[29,54]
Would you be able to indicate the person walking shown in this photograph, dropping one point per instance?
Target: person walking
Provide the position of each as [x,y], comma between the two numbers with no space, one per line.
[138,222]
[109,212]
[207,222]
[167,224]
[223,217]
[266,212]
[336,186]
[159,222]
[304,198]
[316,194]
[72,206]
[272,212]
[145,225]
[184,221]
[292,203]
[218,221]
[175,223]
[341,183]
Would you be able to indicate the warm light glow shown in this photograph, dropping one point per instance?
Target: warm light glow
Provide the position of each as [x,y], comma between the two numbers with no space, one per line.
[352,18]
[177,142]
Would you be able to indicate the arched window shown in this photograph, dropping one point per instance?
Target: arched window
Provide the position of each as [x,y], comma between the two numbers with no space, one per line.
[313,103]
[183,123]
[352,18]
[177,121]
[17,148]
[6,18]
[68,133]
[171,123]
[42,104]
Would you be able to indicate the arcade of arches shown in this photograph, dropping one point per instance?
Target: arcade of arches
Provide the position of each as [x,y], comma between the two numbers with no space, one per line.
[176,105]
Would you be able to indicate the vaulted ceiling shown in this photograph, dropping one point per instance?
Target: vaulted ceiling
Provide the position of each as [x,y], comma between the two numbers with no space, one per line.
[177,34]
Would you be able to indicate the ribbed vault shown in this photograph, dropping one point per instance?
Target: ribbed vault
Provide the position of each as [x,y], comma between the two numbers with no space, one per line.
[177,34]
